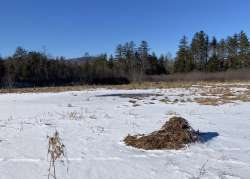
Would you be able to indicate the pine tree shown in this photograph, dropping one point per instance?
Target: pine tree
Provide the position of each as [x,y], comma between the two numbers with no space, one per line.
[2,70]
[244,49]
[222,54]
[213,47]
[233,49]
[111,62]
[118,52]
[222,50]
[199,50]
[153,65]
[214,62]
[232,46]
[162,65]
[183,61]
[19,53]
[143,51]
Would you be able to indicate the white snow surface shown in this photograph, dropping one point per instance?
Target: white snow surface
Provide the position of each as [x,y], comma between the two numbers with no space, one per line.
[92,129]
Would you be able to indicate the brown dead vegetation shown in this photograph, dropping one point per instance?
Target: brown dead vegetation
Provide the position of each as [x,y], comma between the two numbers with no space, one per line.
[136,105]
[144,85]
[55,152]
[175,134]
[132,101]
[242,97]
[211,101]
[217,95]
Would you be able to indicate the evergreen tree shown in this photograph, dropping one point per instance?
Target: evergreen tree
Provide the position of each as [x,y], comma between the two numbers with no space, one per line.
[162,64]
[244,49]
[222,50]
[214,62]
[233,49]
[183,61]
[232,46]
[199,50]
[2,69]
[213,47]
[118,52]
[19,53]
[153,65]
[143,51]
[169,63]
[222,54]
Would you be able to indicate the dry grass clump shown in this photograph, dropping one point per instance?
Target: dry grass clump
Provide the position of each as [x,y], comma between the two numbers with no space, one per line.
[168,101]
[175,134]
[223,100]
[165,100]
[241,97]
[136,105]
[55,152]
[218,96]
[211,101]
[215,90]
[75,116]
[132,101]
[227,94]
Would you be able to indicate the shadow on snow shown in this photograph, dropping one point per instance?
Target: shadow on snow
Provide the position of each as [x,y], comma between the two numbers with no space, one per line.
[207,136]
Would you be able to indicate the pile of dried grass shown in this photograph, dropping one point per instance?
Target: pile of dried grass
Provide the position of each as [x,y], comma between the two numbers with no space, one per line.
[175,134]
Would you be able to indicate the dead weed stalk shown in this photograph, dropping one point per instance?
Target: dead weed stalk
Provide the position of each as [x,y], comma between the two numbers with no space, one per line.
[55,152]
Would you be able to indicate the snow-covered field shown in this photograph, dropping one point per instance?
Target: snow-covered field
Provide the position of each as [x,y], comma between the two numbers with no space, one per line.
[92,128]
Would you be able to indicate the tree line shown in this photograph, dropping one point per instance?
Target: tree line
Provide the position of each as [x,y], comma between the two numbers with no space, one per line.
[207,55]
[131,63]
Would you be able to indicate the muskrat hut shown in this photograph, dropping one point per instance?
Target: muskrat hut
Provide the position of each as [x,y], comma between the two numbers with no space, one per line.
[174,134]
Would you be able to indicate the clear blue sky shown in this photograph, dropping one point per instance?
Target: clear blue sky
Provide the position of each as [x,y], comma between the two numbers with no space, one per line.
[72,27]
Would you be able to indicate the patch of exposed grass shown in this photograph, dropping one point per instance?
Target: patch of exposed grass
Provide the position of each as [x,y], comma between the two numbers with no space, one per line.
[211,101]
[241,97]
[165,100]
[132,101]
[168,101]
[136,105]
[218,96]
[144,85]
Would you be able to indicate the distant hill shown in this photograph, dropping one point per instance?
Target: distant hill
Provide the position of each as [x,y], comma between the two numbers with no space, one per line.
[82,59]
